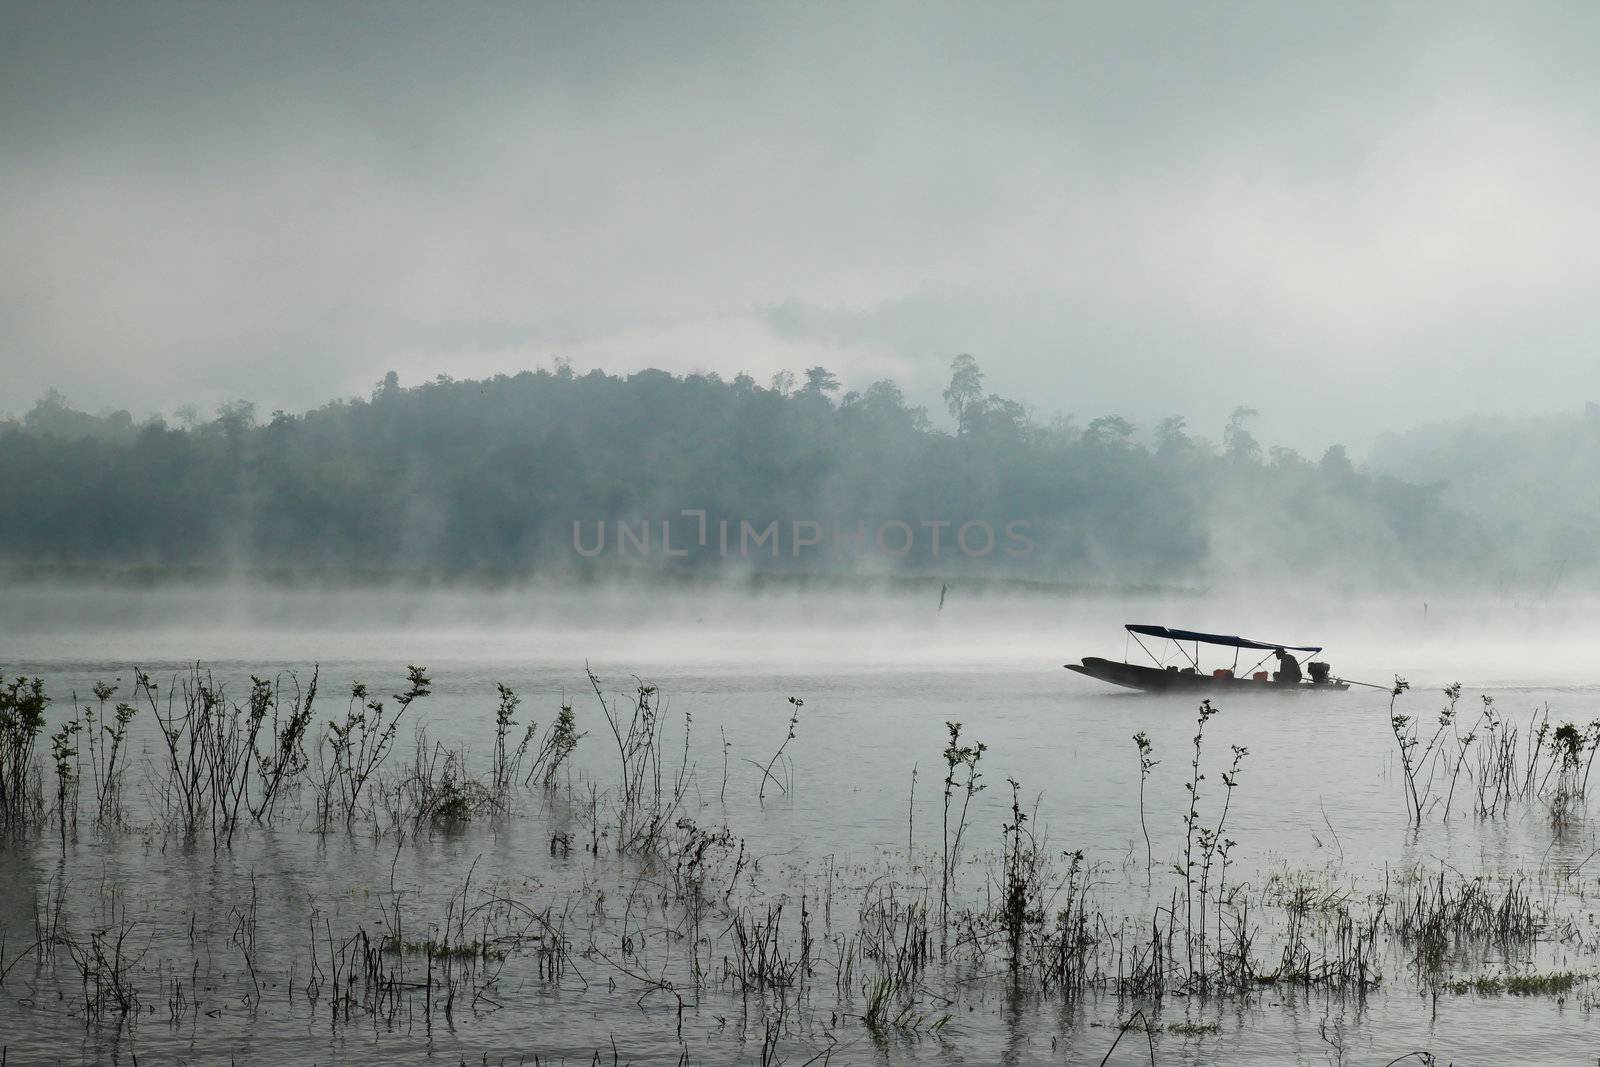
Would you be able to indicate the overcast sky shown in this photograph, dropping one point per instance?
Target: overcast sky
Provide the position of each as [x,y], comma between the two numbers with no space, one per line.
[1357,218]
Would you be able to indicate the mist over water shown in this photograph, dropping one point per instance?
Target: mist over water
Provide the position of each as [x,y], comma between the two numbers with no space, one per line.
[826,624]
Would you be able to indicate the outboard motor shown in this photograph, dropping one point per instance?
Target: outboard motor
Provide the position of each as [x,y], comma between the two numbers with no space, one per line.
[1318,672]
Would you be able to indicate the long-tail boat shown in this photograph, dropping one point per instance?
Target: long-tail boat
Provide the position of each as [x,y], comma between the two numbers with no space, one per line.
[1179,668]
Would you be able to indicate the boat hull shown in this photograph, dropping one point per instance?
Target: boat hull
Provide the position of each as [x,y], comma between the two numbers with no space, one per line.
[1156,680]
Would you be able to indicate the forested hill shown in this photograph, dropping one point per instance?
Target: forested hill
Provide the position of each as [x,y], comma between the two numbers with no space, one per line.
[793,476]
[1529,483]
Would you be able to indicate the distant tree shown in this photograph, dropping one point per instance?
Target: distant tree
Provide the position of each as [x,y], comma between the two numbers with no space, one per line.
[997,416]
[387,389]
[1064,427]
[820,381]
[1108,430]
[237,414]
[1237,440]
[964,395]
[53,416]
[883,404]
[48,411]
[1171,436]
[1336,462]
[1283,457]
[783,382]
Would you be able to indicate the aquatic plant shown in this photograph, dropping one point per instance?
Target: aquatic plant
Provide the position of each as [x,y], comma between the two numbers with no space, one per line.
[361,742]
[506,766]
[22,704]
[1502,763]
[1191,827]
[107,965]
[961,773]
[652,789]
[1568,745]
[560,742]
[436,790]
[696,854]
[1442,918]
[1557,984]
[231,745]
[282,761]
[1324,944]
[1147,763]
[1021,867]
[1205,849]
[1214,849]
[762,959]
[1462,744]
[795,704]
[211,746]
[105,740]
[63,753]
[1591,736]
[1406,741]
[1065,952]
[893,934]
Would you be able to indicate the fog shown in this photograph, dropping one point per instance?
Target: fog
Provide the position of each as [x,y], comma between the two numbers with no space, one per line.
[395,294]
[1354,219]
[558,529]
[625,629]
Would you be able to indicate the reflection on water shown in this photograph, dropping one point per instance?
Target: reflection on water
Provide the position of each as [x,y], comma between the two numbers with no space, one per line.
[242,952]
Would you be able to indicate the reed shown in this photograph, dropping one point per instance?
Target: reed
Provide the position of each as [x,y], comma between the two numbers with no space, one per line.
[1443,919]
[893,933]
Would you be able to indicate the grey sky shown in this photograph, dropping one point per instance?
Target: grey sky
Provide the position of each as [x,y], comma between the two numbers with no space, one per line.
[1358,218]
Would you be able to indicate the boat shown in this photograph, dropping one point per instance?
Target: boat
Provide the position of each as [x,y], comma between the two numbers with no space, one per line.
[1188,675]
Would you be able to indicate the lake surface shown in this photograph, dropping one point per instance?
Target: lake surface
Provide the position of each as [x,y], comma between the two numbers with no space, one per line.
[854,803]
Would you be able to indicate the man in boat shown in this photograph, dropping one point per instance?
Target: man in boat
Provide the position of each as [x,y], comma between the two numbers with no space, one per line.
[1288,668]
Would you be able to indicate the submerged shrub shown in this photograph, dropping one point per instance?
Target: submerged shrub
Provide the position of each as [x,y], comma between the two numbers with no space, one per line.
[22,704]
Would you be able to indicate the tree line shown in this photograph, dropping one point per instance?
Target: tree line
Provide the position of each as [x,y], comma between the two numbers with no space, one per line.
[495,473]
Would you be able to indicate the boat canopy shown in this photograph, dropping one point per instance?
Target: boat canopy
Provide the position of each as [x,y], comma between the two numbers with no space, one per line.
[1214,639]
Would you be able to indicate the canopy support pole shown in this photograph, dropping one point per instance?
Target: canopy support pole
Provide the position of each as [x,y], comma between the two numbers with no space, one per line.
[1147,652]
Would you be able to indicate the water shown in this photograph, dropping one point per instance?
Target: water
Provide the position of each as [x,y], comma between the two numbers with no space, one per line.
[1318,800]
